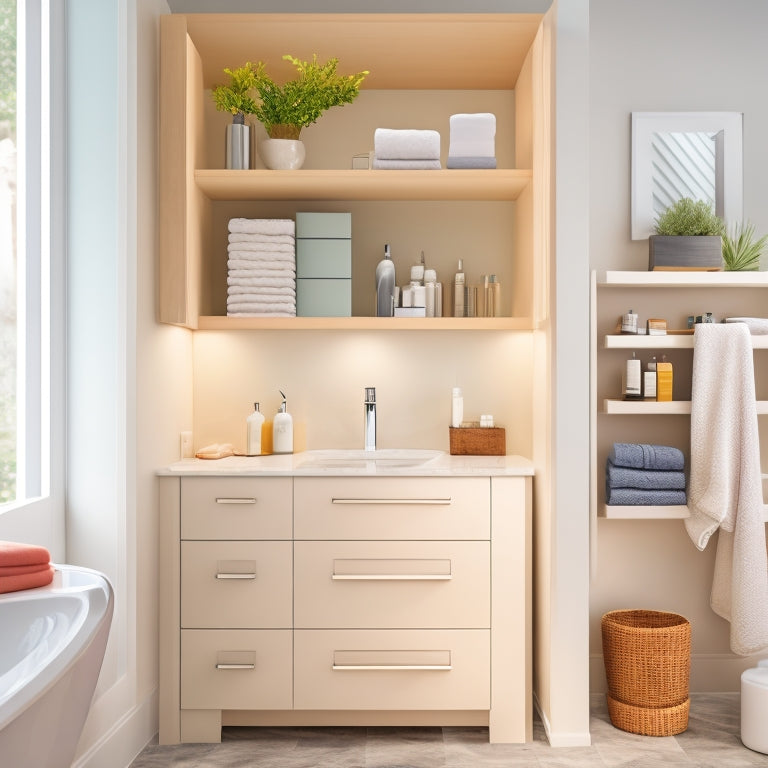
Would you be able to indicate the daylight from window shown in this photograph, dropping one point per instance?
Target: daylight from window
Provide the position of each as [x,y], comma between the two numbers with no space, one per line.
[8,303]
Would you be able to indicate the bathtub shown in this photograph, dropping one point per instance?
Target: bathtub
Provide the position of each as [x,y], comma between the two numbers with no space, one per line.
[52,642]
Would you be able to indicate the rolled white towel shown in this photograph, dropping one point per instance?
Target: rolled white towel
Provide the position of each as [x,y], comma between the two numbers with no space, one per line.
[255,282]
[236,265]
[263,226]
[407,165]
[406,144]
[473,125]
[254,237]
[472,148]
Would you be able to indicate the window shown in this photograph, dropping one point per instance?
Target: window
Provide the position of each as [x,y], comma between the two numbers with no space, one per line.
[31,354]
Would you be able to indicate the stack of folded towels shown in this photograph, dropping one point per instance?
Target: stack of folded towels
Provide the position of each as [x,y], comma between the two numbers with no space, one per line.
[406,149]
[24,566]
[647,475]
[472,141]
[261,264]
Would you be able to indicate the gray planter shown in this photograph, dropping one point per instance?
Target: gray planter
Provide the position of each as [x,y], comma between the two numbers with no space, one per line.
[238,147]
[683,252]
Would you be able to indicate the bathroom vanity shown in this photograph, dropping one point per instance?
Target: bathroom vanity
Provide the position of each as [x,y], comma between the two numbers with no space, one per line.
[320,590]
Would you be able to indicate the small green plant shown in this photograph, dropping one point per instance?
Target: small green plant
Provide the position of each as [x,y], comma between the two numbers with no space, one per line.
[285,110]
[689,217]
[236,98]
[741,252]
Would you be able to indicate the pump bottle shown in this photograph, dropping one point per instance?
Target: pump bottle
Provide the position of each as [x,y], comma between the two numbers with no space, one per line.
[282,430]
[385,285]
[254,424]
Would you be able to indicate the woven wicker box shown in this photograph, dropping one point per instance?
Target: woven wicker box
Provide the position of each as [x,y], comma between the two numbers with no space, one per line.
[478,441]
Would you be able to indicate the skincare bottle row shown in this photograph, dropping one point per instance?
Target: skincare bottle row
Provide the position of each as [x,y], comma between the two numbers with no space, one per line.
[264,437]
[475,300]
[654,383]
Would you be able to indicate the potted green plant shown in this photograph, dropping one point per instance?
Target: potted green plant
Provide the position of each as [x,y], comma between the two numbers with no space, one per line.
[688,237]
[741,252]
[236,99]
[285,110]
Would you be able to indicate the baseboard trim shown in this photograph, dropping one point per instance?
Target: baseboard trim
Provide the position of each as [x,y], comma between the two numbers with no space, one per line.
[559,740]
[125,739]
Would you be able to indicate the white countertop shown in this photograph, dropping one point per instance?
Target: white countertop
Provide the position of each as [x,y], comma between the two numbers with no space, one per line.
[300,464]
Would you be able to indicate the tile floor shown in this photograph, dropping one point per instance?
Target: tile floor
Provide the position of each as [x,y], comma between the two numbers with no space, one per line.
[712,739]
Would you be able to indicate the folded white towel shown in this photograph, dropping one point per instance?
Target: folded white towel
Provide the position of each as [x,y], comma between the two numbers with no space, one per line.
[472,148]
[407,165]
[725,487]
[246,237]
[263,226]
[408,144]
[250,290]
[260,308]
[262,247]
[473,125]
[255,282]
[471,162]
[236,303]
[258,274]
[261,314]
[756,325]
[288,257]
[260,265]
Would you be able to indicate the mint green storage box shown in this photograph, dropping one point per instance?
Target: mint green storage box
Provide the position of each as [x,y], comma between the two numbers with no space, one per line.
[323,258]
[323,297]
[324,225]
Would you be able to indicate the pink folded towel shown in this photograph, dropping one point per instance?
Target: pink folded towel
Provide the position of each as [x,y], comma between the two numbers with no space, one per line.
[20,570]
[26,580]
[14,553]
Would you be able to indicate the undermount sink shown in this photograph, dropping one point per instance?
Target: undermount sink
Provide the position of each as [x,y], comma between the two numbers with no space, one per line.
[385,457]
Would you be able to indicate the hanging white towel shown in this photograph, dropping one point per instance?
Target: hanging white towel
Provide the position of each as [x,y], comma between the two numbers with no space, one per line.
[725,489]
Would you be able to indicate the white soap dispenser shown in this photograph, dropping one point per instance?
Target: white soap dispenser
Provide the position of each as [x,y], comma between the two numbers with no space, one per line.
[282,430]
[254,423]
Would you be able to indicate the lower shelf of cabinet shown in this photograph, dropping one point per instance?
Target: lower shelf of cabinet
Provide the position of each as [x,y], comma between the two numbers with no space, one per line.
[670,408]
[223,323]
[615,512]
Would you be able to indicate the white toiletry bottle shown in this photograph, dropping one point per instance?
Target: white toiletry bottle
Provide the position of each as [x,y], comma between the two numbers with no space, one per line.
[254,423]
[282,430]
[385,285]
[457,407]
[459,310]
[629,322]
[430,291]
[633,379]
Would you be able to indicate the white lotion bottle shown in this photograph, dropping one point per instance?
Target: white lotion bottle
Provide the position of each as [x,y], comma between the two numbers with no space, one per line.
[254,423]
[282,430]
[459,284]
[385,285]
[457,407]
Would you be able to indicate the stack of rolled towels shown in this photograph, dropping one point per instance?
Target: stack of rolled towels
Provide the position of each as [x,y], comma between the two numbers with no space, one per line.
[24,566]
[645,475]
[261,264]
[406,149]
[472,141]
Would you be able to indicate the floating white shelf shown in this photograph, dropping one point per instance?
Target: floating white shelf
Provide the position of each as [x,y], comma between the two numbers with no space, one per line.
[614,512]
[663,279]
[670,341]
[669,408]
[223,323]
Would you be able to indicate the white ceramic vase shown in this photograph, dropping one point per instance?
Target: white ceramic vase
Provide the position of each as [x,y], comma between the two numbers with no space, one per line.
[282,154]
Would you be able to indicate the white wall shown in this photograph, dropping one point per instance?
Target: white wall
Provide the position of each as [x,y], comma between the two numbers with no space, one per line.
[701,55]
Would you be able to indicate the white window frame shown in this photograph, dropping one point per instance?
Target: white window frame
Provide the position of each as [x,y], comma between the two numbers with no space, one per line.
[37,515]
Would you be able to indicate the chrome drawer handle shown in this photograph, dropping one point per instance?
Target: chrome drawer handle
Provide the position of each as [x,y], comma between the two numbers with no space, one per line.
[243,500]
[391,577]
[235,575]
[235,666]
[390,667]
[396,502]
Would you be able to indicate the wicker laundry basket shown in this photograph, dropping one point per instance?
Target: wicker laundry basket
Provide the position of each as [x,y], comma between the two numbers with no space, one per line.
[647,658]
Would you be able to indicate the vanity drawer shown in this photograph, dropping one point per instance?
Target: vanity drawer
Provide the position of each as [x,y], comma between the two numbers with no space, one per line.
[236,669]
[238,584]
[392,669]
[397,584]
[236,508]
[392,508]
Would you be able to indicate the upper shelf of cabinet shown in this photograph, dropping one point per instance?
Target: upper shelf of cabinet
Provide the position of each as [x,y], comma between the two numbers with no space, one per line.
[664,279]
[421,51]
[363,185]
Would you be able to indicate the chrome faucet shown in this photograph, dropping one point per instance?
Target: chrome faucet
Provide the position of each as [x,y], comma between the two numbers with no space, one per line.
[370,418]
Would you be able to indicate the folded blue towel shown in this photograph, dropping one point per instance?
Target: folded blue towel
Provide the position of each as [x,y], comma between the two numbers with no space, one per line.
[643,456]
[648,479]
[640,497]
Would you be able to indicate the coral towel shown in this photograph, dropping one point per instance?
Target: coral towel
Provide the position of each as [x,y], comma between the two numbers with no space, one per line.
[23,566]
[725,482]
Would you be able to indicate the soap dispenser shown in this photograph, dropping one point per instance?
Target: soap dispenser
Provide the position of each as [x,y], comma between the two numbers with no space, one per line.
[385,286]
[282,430]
